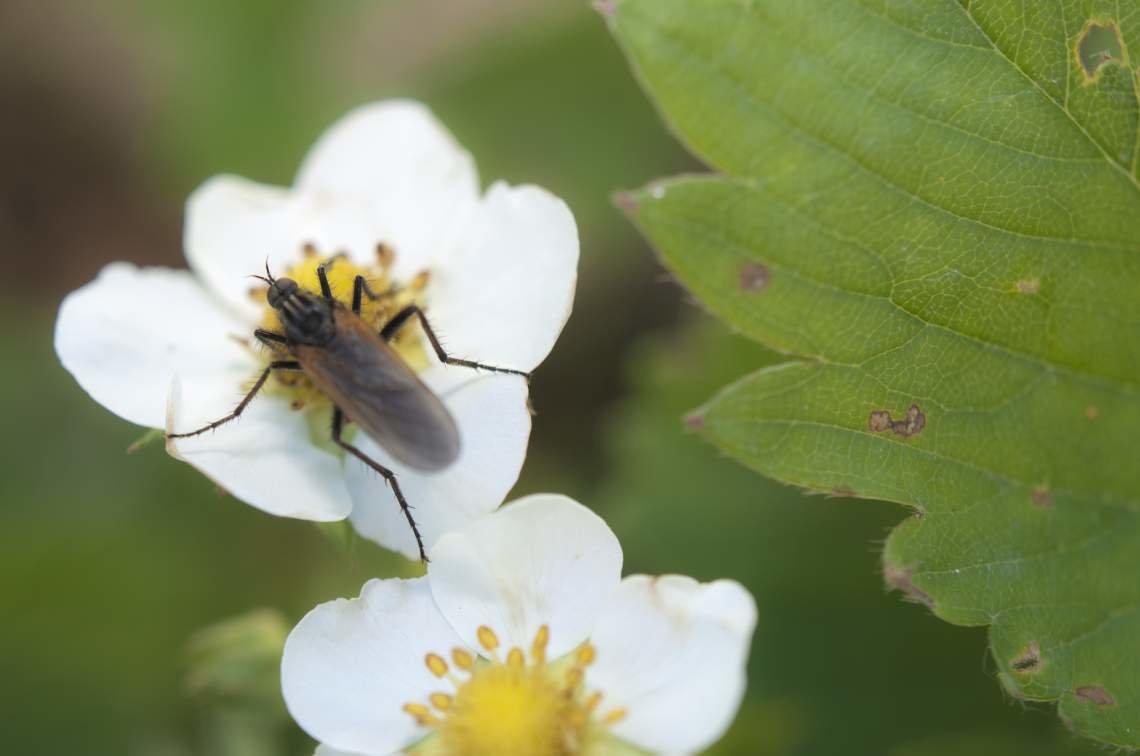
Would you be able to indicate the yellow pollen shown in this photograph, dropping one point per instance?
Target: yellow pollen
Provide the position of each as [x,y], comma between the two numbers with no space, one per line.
[462,659]
[436,664]
[487,638]
[422,714]
[613,717]
[387,298]
[538,648]
[514,707]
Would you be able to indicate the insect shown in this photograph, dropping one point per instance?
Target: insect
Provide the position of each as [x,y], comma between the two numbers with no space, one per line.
[365,379]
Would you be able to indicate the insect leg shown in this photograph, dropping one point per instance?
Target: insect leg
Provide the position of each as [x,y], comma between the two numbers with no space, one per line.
[400,318]
[360,288]
[323,277]
[388,475]
[274,341]
[275,365]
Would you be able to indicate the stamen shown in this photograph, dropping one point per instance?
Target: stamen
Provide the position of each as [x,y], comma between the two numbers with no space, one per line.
[487,638]
[385,255]
[436,665]
[462,659]
[514,701]
[538,648]
[422,714]
[420,281]
[614,716]
[309,249]
[515,658]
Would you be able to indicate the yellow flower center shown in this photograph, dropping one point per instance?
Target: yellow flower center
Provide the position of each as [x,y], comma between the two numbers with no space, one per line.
[382,299]
[512,707]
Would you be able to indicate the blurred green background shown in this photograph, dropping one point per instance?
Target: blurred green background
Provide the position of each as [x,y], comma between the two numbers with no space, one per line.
[110,564]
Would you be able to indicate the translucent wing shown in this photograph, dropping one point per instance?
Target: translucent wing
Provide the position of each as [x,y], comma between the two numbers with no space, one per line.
[376,389]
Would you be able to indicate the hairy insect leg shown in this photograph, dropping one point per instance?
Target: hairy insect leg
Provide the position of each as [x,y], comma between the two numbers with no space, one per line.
[323,277]
[274,341]
[275,365]
[403,316]
[360,287]
[388,475]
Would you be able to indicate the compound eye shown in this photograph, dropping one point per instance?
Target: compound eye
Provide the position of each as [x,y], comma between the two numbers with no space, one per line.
[281,289]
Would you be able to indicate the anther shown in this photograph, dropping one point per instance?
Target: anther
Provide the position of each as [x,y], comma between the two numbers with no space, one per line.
[585,655]
[515,658]
[538,648]
[462,659]
[592,701]
[309,249]
[420,281]
[421,713]
[385,255]
[614,716]
[436,664]
[441,701]
[487,638]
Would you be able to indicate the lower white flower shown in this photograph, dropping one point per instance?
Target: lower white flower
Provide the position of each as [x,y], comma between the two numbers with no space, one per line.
[389,193]
[522,640]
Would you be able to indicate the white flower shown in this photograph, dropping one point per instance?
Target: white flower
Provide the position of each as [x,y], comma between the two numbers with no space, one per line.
[522,640]
[390,188]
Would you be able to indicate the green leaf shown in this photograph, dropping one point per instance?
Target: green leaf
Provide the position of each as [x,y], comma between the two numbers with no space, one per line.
[834,659]
[934,206]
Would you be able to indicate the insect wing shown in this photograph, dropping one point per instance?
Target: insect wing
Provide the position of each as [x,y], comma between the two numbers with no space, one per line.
[377,390]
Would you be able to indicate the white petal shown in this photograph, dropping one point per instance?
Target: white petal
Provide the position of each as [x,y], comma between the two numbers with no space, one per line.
[673,652]
[504,295]
[349,666]
[324,750]
[124,336]
[385,172]
[265,458]
[234,229]
[543,560]
[406,172]
[494,428]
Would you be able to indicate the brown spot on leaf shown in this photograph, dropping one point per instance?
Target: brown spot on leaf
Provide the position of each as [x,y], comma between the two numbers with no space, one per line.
[843,491]
[1096,694]
[1091,412]
[912,424]
[1029,660]
[626,202]
[1098,46]
[695,420]
[899,579]
[753,276]
[1040,496]
[1029,285]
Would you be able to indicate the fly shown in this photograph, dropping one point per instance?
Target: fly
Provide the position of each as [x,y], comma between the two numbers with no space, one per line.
[366,380]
